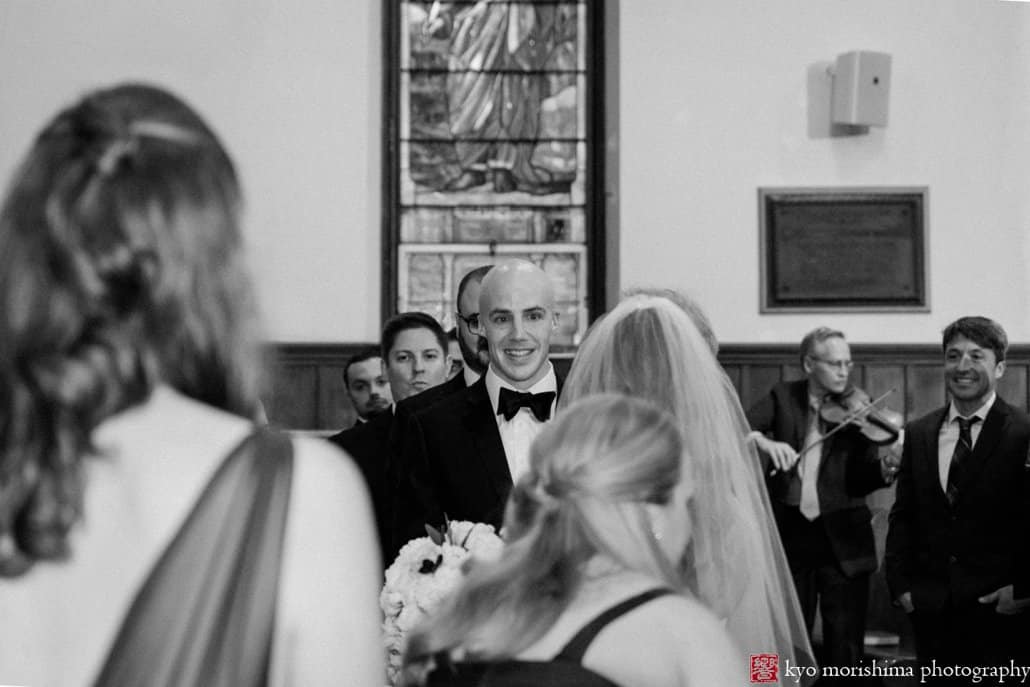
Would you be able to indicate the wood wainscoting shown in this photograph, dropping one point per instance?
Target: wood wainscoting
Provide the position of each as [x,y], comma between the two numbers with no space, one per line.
[307,393]
[306,389]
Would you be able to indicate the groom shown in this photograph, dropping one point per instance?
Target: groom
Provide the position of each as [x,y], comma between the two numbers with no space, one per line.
[465,451]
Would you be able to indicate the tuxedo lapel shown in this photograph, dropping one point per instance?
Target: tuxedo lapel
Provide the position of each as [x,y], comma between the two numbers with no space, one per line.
[481,425]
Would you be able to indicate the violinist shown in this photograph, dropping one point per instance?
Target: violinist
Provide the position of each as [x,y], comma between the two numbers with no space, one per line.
[818,474]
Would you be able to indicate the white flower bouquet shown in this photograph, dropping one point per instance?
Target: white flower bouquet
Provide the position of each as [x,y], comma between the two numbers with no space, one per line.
[426,571]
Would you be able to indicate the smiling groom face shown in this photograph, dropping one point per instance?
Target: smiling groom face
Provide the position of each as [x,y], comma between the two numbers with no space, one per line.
[517,318]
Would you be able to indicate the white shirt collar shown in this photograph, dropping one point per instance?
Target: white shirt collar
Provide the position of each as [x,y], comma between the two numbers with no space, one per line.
[470,375]
[494,384]
[981,412]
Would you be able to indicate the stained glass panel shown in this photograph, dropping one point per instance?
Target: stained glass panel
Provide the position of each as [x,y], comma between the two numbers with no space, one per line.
[492,148]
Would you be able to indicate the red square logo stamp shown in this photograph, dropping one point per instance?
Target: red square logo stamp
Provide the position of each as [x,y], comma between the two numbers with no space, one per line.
[765,668]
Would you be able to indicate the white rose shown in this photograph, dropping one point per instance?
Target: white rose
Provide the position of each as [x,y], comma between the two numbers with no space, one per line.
[484,544]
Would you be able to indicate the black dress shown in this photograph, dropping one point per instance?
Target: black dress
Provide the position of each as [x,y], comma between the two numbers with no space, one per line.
[564,670]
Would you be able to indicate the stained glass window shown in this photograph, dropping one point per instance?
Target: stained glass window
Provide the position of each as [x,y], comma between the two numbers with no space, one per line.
[490,150]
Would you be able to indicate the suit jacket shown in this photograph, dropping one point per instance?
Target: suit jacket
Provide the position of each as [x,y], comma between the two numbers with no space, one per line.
[430,396]
[408,516]
[849,469]
[458,461]
[938,551]
[456,458]
[368,444]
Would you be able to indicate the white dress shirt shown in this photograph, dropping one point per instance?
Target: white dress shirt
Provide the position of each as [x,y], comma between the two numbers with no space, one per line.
[518,433]
[948,436]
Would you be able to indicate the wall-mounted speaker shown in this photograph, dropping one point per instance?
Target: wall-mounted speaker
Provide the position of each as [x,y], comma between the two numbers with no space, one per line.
[861,86]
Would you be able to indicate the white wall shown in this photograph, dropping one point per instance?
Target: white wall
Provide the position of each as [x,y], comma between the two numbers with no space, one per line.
[292,88]
[714,103]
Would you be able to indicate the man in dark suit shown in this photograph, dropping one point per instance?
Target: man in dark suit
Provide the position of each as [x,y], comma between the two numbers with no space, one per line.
[958,544]
[408,516]
[817,484]
[465,450]
[364,378]
[415,348]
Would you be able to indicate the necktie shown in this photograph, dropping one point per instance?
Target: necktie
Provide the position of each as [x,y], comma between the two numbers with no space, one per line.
[810,466]
[509,403]
[963,449]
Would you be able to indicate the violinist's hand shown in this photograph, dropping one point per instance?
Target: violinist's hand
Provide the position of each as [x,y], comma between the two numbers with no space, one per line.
[782,455]
[1004,601]
[890,459]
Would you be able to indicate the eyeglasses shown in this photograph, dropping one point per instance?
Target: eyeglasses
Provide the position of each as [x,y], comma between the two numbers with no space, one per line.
[471,320]
[835,364]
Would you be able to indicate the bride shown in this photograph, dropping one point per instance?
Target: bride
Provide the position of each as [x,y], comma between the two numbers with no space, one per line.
[650,348]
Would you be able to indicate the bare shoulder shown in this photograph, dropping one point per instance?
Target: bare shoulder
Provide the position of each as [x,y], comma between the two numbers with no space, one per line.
[330,575]
[323,468]
[672,640]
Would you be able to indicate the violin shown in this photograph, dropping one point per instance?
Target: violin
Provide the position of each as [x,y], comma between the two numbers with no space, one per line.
[853,407]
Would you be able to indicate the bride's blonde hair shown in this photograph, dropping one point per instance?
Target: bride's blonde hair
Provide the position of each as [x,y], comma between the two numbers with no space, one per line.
[650,348]
[592,471]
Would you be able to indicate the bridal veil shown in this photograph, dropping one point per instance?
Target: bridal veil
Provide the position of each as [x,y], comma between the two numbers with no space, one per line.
[650,348]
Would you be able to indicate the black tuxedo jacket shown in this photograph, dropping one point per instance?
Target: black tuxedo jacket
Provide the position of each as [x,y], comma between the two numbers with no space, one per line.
[849,469]
[939,552]
[460,469]
[412,404]
[407,516]
[456,461]
[368,444]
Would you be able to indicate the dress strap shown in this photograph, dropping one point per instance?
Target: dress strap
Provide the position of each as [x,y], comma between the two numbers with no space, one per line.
[579,644]
[206,612]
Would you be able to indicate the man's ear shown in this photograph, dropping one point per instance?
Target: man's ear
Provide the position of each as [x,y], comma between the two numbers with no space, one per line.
[555,315]
[807,365]
[999,370]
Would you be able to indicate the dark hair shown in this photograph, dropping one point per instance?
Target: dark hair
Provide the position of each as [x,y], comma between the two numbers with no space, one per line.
[816,337]
[361,356]
[475,275]
[120,269]
[411,320]
[982,331]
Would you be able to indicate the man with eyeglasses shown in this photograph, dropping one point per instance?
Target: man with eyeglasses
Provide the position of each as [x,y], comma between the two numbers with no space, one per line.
[817,484]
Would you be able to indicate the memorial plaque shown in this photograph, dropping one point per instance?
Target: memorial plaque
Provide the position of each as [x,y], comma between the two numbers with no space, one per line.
[856,249]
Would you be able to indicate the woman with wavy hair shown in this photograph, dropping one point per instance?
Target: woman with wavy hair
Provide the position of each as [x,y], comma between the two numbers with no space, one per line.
[592,531]
[150,533]
[649,348]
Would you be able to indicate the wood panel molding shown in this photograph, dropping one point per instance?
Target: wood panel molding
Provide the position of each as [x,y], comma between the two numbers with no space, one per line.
[307,393]
[306,389]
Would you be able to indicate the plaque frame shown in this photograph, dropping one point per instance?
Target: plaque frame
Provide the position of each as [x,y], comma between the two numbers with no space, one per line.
[850,249]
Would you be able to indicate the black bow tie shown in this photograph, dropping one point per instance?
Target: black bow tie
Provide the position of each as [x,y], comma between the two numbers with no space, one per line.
[509,402]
